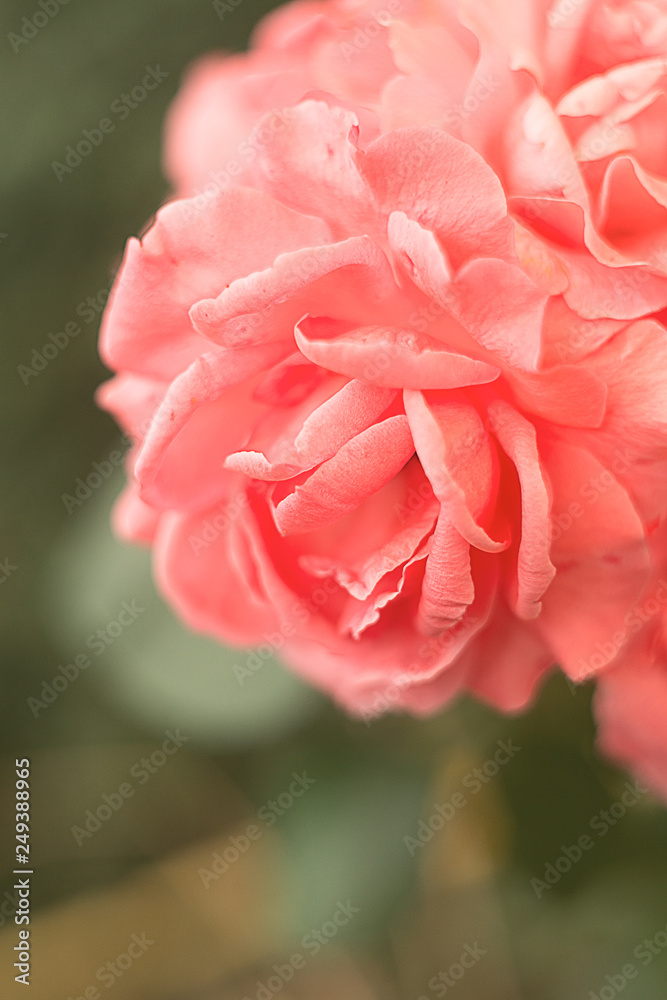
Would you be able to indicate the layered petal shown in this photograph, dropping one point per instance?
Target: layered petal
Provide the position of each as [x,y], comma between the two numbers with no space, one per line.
[207,403]
[359,469]
[187,255]
[534,569]
[387,356]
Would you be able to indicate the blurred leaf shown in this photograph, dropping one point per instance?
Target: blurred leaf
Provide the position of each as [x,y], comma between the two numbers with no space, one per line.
[157,671]
[346,842]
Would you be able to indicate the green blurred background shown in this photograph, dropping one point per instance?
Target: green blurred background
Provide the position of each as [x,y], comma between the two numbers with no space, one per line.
[393,916]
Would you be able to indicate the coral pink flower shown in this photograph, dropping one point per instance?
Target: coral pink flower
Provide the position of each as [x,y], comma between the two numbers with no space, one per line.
[395,358]
[631,694]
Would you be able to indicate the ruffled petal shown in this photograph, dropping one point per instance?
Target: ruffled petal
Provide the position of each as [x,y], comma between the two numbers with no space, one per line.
[359,469]
[534,570]
[346,278]
[598,545]
[207,411]
[210,575]
[445,186]
[386,356]
[319,436]
[190,254]
[457,458]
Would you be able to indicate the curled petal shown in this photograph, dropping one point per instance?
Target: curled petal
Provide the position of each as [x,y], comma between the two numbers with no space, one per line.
[327,428]
[448,589]
[420,254]
[438,461]
[535,571]
[360,468]
[214,584]
[388,356]
[174,466]
[502,308]
[190,254]
[569,395]
[255,307]
[309,164]
[445,186]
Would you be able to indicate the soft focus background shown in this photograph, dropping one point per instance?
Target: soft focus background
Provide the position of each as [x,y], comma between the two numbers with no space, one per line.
[220,871]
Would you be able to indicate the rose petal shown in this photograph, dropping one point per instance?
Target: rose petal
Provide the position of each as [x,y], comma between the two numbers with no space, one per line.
[325,430]
[214,583]
[351,275]
[448,588]
[569,395]
[308,163]
[359,469]
[461,505]
[206,407]
[535,571]
[186,256]
[387,356]
[600,553]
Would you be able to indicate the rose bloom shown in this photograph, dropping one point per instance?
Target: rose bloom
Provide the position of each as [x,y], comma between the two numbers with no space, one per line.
[394,359]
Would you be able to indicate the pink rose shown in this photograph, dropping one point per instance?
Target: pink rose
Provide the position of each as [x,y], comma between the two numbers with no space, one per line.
[395,361]
[631,694]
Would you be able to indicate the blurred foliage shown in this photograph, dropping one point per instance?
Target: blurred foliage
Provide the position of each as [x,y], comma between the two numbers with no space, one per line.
[343,840]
